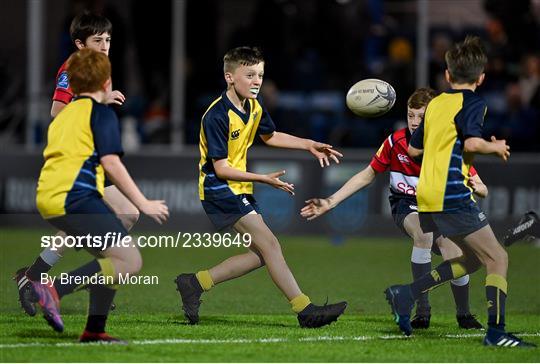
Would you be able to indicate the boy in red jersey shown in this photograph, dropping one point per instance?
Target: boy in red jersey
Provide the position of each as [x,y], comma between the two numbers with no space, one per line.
[90,31]
[83,144]
[87,31]
[404,172]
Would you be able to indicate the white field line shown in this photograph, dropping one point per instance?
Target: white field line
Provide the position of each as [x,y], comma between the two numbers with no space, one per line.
[245,341]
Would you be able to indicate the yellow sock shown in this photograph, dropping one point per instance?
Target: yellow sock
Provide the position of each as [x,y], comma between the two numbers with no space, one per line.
[108,270]
[497,281]
[205,280]
[458,269]
[300,302]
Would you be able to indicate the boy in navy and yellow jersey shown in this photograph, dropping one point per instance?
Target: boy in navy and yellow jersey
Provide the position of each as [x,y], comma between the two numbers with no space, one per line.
[448,139]
[90,31]
[404,171]
[228,129]
[84,144]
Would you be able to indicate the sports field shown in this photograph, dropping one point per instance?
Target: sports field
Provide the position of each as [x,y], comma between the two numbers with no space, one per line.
[248,320]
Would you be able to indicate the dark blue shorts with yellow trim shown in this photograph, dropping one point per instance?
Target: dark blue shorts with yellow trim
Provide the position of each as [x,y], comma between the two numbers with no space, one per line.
[404,206]
[225,212]
[92,216]
[458,222]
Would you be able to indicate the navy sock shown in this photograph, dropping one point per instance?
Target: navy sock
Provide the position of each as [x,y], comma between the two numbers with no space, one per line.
[86,270]
[101,298]
[434,278]
[39,266]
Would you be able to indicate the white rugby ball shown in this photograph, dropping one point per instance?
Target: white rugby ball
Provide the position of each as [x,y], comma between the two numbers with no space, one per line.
[371,98]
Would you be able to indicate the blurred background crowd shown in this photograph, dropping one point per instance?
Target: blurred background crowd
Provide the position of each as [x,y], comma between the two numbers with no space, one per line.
[314,50]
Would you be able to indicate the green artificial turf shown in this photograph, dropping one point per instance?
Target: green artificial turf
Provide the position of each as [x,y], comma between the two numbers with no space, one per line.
[248,319]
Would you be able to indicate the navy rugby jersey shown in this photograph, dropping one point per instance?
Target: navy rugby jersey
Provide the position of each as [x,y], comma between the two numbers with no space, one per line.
[82,133]
[226,132]
[450,119]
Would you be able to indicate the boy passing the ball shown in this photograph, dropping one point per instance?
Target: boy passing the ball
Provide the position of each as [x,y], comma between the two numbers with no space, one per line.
[448,138]
[84,144]
[228,129]
[404,173]
[88,31]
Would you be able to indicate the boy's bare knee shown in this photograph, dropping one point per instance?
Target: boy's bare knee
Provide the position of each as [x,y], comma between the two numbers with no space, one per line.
[270,246]
[136,263]
[130,219]
[422,241]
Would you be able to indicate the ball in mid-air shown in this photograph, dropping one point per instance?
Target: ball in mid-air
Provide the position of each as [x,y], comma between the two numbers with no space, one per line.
[371,98]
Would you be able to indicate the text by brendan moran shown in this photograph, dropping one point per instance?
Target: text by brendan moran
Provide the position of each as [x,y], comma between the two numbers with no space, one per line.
[65,278]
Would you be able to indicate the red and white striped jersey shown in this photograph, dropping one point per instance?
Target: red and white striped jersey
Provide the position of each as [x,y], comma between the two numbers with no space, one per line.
[404,170]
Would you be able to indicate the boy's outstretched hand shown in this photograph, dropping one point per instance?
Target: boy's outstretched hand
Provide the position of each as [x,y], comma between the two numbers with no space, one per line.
[315,207]
[155,209]
[323,151]
[273,180]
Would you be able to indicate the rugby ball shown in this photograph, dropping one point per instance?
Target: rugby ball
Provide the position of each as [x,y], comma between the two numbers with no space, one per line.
[371,98]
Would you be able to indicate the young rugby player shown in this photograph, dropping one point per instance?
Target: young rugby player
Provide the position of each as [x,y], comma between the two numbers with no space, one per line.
[448,138]
[90,31]
[404,172]
[84,144]
[228,129]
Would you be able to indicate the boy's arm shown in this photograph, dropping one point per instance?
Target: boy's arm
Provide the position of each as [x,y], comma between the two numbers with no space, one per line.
[316,206]
[320,150]
[226,172]
[108,146]
[116,98]
[118,174]
[478,186]
[414,152]
[353,185]
[56,107]
[416,144]
[481,146]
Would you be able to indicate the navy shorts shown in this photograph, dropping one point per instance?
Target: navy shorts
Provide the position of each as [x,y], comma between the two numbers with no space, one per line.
[401,208]
[227,211]
[90,216]
[459,222]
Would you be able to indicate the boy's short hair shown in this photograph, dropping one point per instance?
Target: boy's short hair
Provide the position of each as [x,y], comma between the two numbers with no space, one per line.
[88,70]
[241,56]
[421,97]
[88,24]
[466,61]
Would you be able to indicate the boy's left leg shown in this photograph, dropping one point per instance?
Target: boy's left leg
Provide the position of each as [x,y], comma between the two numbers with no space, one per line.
[420,265]
[493,256]
[191,285]
[122,208]
[402,297]
[116,261]
[265,247]
[265,251]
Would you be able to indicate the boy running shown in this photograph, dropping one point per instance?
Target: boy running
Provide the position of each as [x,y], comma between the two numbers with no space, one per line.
[88,31]
[84,144]
[404,172]
[448,139]
[228,129]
